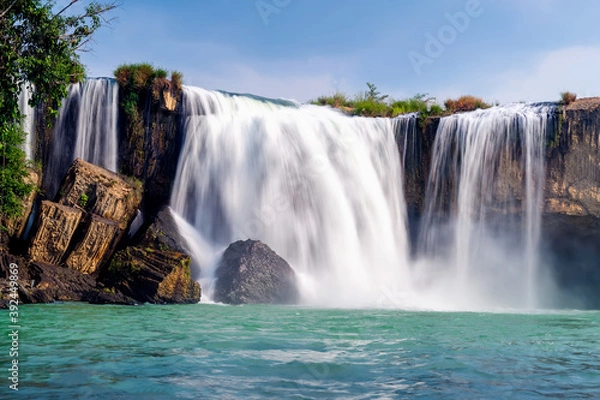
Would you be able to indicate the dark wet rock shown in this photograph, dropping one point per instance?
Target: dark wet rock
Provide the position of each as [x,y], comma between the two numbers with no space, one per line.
[157,269]
[573,170]
[109,296]
[250,272]
[45,283]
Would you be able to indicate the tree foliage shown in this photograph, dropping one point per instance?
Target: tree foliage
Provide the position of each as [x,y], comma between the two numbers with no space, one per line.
[39,45]
[373,94]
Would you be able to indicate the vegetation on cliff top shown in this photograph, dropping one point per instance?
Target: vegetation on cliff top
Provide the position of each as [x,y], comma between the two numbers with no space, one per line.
[373,104]
[38,46]
[567,98]
[137,79]
[464,103]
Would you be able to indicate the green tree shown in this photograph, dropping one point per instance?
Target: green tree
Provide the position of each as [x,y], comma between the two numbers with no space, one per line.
[39,45]
[373,94]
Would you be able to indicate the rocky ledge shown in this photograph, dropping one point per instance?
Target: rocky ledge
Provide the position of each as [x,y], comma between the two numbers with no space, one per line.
[70,256]
[157,268]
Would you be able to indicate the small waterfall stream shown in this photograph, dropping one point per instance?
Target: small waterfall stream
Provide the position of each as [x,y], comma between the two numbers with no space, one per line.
[484,203]
[86,128]
[28,123]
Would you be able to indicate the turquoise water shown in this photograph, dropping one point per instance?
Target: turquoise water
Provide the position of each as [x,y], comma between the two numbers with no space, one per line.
[72,351]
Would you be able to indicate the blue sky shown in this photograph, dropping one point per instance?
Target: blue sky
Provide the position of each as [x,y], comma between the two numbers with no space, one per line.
[501,50]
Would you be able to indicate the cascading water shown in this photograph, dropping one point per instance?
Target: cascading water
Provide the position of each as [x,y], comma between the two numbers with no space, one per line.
[321,189]
[324,191]
[28,122]
[86,128]
[483,207]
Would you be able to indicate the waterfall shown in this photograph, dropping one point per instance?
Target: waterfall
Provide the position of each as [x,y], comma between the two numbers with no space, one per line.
[28,122]
[97,123]
[86,128]
[321,189]
[481,228]
[324,190]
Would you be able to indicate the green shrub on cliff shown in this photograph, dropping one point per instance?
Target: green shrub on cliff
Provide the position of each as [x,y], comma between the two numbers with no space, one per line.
[337,100]
[418,103]
[177,79]
[465,103]
[567,98]
[38,46]
[372,103]
[13,171]
[371,108]
[139,80]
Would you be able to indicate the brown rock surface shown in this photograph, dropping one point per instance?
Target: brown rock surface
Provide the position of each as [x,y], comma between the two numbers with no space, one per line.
[45,283]
[100,192]
[100,238]
[56,225]
[158,268]
[573,171]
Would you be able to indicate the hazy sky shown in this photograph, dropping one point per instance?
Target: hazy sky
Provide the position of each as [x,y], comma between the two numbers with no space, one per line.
[501,50]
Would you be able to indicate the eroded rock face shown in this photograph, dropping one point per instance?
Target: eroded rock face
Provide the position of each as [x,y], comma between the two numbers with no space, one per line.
[45,283]
[56,225]
[573,170]
[158,268]
[251,273]
[100,192]
[94,207]
[152,143]
[54,283]
[98,241]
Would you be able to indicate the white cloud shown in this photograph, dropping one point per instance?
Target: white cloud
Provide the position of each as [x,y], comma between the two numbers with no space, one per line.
[573,68]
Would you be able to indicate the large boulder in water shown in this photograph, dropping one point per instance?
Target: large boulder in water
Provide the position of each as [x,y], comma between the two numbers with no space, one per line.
[251,273]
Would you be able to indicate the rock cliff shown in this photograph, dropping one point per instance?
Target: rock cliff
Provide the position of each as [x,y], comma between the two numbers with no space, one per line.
[93,208]
[55,227]
[100,192]
[573,165]
[99,238]
[151,142]
[571,220]
[156,269]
